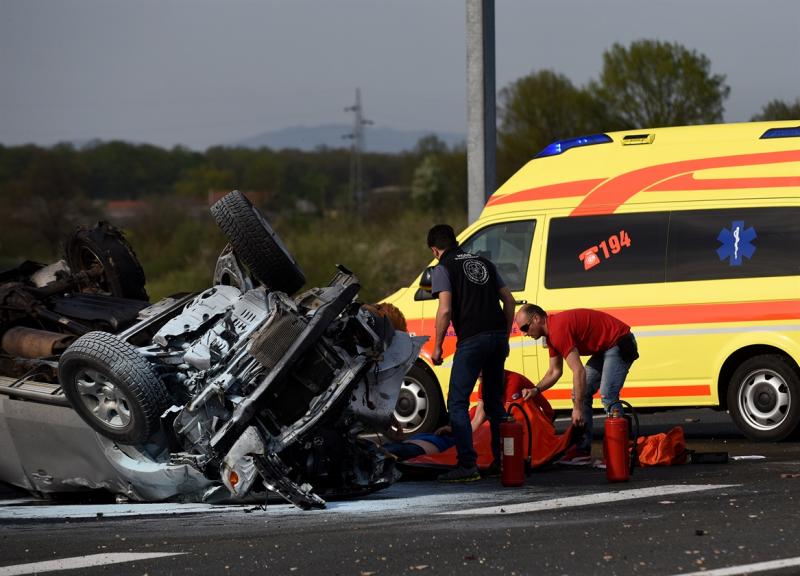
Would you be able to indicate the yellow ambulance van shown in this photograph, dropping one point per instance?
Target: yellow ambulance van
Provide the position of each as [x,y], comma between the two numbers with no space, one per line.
[691,235]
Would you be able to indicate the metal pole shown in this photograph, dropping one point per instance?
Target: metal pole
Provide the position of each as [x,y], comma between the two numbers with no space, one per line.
[481,113]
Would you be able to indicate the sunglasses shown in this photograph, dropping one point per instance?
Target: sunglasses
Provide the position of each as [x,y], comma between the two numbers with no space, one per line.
[524,327]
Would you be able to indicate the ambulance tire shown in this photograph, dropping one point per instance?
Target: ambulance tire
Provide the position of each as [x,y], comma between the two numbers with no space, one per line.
[764,398]
[419,405]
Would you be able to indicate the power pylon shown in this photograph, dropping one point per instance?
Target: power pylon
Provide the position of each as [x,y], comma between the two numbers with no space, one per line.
[356,149]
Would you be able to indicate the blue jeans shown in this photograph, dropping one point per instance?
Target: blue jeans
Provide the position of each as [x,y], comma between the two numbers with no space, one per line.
[486,353]
[605,371]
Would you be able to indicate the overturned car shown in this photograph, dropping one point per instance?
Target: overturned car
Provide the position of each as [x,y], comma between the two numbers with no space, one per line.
[243,389]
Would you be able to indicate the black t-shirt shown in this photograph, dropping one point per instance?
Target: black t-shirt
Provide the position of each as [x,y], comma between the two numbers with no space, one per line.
[474,284]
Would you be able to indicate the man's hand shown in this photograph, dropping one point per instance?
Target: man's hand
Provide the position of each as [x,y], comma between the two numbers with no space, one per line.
[444,431]
[436,357]
[529,393]
[577,417]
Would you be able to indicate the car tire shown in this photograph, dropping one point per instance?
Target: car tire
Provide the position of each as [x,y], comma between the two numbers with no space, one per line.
[419,405]
[113,387]
[764,398]
[103,244]
[256,244]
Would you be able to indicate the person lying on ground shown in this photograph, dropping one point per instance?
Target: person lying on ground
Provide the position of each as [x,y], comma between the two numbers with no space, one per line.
[442,439]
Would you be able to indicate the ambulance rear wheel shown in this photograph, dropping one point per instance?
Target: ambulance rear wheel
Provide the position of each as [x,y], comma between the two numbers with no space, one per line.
[419,404]
[764,398]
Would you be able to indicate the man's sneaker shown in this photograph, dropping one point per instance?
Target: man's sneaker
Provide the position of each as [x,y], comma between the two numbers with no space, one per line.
[493,471]
[460,474]
[575,457]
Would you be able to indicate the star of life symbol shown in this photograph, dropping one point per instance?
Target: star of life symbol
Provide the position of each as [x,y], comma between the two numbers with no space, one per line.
[736,243]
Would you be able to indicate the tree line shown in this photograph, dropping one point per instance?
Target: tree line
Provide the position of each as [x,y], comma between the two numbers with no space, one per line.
[308,195]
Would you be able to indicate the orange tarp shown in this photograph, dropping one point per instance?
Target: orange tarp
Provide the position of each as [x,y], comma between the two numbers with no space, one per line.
[546,442]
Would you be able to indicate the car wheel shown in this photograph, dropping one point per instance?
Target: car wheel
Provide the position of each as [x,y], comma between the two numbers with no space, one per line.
[256,244]
[764,398]
[103,247]
[419,404]
[113,387]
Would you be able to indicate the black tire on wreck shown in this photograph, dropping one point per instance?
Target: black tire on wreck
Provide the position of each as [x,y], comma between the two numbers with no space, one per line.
[256,244]
[113,387]
[104,245]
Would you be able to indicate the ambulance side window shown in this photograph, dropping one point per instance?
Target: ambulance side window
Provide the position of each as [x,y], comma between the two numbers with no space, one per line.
[606,250]
[733,243]
[508,247]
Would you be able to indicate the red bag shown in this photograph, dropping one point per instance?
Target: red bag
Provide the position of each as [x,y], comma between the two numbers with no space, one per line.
[663,449]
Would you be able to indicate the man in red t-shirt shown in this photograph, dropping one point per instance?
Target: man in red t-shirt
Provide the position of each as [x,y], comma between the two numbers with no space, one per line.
[582,332]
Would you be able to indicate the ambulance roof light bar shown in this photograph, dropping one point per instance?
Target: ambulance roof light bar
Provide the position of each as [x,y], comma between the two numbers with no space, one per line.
[561,146]
[781,133]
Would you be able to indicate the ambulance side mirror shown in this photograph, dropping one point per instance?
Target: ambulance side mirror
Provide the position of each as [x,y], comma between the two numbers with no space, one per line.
[425,282]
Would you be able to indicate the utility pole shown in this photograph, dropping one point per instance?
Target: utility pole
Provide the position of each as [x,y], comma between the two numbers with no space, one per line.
[356,149]
[481,122]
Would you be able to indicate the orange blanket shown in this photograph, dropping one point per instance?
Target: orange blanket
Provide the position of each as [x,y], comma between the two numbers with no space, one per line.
[546,443]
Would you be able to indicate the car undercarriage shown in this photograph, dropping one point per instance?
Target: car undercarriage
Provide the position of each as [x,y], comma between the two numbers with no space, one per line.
[247,388]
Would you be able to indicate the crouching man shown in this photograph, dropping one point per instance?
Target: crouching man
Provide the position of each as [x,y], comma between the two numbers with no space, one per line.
[582,332]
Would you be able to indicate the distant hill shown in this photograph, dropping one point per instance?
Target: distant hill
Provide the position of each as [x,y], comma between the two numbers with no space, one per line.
[376,139]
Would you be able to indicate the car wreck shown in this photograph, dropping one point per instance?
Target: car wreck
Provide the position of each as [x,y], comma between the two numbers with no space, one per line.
[247,388]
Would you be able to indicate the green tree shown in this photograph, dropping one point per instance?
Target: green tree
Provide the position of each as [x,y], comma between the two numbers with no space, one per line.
[653,83]
[44,203]
[198,181]
[428,188]
[537,109]
[779,110]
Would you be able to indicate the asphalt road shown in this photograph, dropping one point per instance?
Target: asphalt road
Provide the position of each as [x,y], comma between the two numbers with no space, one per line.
[732,518]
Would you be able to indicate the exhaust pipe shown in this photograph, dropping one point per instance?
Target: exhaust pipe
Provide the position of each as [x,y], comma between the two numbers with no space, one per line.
[32,343]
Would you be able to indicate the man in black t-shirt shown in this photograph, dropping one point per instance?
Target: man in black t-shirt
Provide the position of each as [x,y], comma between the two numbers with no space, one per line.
[469,291]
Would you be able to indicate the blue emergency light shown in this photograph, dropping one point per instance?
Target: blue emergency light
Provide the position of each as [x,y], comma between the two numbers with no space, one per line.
[561,146]
[782,133]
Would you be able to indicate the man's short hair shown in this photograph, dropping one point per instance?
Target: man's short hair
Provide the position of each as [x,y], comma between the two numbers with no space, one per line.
[531,309]
[442,237]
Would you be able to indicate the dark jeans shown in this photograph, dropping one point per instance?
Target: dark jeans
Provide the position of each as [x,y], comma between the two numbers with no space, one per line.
[485,353]
[605,371]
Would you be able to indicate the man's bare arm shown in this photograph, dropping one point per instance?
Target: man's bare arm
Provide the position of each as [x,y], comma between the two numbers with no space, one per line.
[554,372]
[444,314]
[508,307]
[578,386]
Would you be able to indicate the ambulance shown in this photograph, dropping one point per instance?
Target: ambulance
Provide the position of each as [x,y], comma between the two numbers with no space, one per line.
[691,235]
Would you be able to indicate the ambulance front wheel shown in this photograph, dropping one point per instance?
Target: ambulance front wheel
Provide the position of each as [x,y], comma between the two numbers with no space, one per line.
[764,398]
[419,405]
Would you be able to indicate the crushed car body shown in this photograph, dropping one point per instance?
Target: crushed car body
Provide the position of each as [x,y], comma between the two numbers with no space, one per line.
[246,388]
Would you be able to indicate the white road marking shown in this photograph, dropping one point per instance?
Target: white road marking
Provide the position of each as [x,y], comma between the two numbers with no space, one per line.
[748,568]
[108,510]
[588,499]
[81,562]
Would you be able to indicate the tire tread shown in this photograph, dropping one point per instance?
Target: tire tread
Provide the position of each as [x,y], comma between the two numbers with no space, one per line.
[130,368]
[256,244]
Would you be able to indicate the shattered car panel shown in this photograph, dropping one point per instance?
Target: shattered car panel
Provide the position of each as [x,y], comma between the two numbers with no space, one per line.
[242,386]
[80,459]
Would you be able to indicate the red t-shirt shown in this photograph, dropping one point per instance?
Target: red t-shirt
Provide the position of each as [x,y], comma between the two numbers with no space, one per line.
[515,383]
[590,331]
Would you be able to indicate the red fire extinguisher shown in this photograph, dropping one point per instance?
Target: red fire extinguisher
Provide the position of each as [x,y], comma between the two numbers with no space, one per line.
[513,464]
[620,459]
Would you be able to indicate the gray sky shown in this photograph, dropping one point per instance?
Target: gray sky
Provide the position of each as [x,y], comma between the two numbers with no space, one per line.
[203,72]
